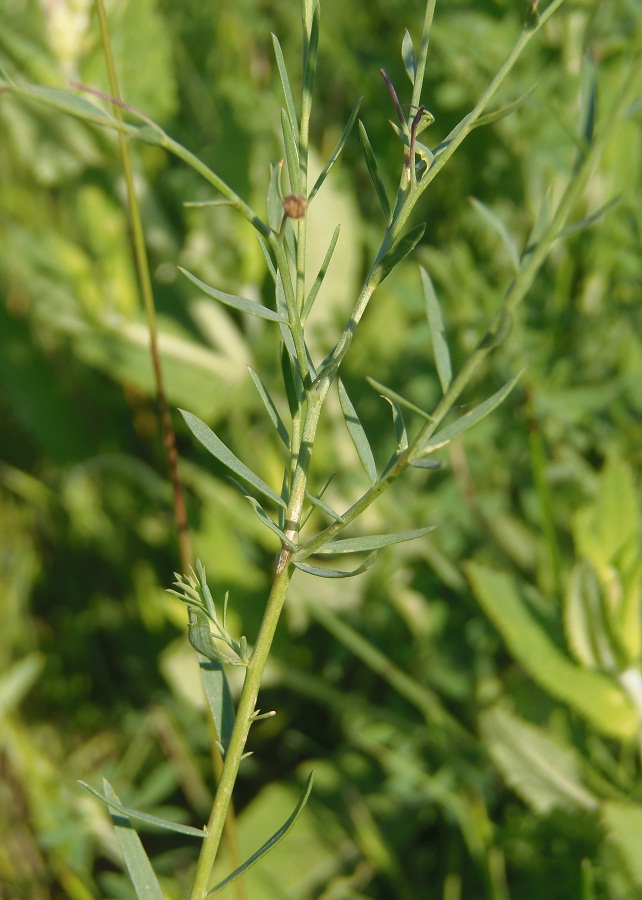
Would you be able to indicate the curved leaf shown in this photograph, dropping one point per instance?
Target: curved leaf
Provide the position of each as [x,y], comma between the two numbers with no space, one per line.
[240,303]
[372,541]
[114,803]
[320,572]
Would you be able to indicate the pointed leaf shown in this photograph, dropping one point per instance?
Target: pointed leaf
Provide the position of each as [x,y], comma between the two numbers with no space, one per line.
[542,770]
[285,84]
[398,253]
[500,230]
[275,198]
[139,867]
[409,57]
[504,110]
[272,411]
[337,573]
[291,155]
[372,541]
[292,382]
[282,307]
[373,171]
[357,434]
[389,394]
[263,516]
[401,435]
[218,449]
[588,101]
[114,803]
[587,221]
[240,303]
[596,697]
[271,843]
[319,504]
[447,434]
[310,56]
[318,281]
[437,332]
[268,257]
[219,698]
[337,150]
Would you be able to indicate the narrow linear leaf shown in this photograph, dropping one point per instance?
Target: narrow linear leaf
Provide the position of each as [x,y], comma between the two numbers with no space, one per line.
[447,434]
[320,494]
[587,221]
[268,257]
[240,303]
[217,448]
[114,803]
[137,862]
[320,572]
[318,281]
[271,843]
[504,111]
[310,56]
[373,171]
[401,435]
[432,464]
[69,102]
[398,253]
[337,150]
[275,197]
[437,332]
[263,516]
[358,435]
[282,307]
[500,230]
[292,382]
[285,84]
[588,100]
[272,411]
[372,541]
[219,699]
[409,57]
[291,154]
[388,393]
[319,504]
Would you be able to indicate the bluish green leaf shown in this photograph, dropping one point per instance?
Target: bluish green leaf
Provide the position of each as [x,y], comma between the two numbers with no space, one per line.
[114,803]
[437,332]
[203,641]
[373,171]
[401,435]
[268,257]
[498,114]
[272,411]
[137,862]
[459,426]
[320,572]
[388,393]
[358,435]
[319,504]
[372,541]
[337,150]
[285,84]
[271,843]
[275,198]
[291,155]
[240,303]
[318,281]
[409,57]
[500,230]
[281,305]
[403,248]
[310,56]
[263,517]
[587,221]
[219,698]
[218,449]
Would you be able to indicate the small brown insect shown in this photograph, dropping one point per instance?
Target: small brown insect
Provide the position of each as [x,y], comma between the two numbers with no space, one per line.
[294,206]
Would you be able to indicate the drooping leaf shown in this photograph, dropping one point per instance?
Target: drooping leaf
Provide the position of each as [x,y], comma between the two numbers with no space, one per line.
[399,252]
[337,150]
[318,281]
[393,395]
[437,331]
[139,867]
[500,230]
[447,434]
[240,303]
[271,843]
[272,411]
[217,448]
[596,697]
[113,802]
[285,84]
[372,541]
[373,171]
[320,572]
[358,435]
[409,57]
[543,771]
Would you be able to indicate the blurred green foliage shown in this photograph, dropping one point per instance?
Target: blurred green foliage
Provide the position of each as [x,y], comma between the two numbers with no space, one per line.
[96,674]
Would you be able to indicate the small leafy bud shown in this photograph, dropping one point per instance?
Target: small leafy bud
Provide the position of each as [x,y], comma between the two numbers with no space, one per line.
[294,206]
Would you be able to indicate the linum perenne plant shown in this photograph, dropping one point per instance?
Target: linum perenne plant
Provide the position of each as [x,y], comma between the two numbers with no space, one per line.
[307,382]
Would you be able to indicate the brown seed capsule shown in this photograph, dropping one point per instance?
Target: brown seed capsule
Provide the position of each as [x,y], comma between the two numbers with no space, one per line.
[294,206]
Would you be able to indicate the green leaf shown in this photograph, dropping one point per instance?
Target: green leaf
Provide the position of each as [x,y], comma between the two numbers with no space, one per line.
[18,680]
[271,843]
[137,862]
[588,101]
[372,541]
[217,448]
[113,802]
[318,281]
[285,84]
[240,303]
[310,55]
[437,331]
[403,248]
[409,57]
[586,621]
[358,435]
[69,102]
[447,434]
[504,111]
[219,698]
[373,171]
[337,573]
[275,198]
[500,230]
[319,504]
[623,824]
[401,435]
[544,772]
[282,307]
[268,257]
[263,517]
[272,411]
[587,221]
[291,155]
[337,150]
[388,393]
[594,696]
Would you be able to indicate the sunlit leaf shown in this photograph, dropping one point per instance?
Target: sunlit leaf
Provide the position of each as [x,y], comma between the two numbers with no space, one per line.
[318,281]
[320,572]
[240,303]
[393,395]
[219,699]
[285,84]
[408,56]
[373,171]
[319,504]
[372,541]
[275,197]
[272,411]
[358,435]
[399,252]
[114,803]
[337,150]
[291,154]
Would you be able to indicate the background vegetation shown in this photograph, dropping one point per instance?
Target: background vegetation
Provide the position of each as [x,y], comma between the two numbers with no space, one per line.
[98,678]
